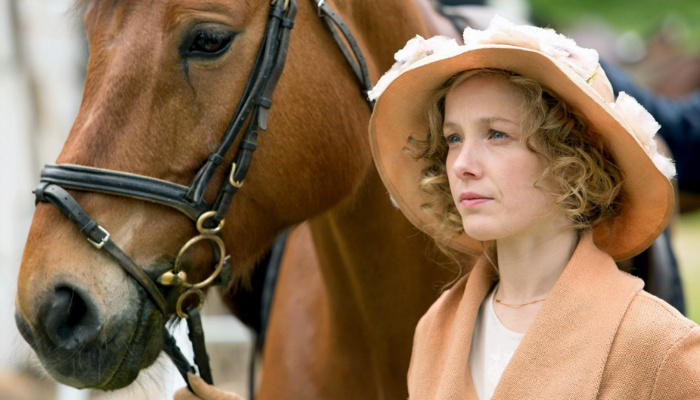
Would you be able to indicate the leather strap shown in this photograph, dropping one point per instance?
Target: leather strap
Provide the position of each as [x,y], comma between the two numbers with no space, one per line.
[354,57]
[256,96]
[90,179]
[196,335]
[175,354]
[98,237]
[266,73]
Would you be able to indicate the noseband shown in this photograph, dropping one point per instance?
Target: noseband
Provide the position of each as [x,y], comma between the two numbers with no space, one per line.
[254,104]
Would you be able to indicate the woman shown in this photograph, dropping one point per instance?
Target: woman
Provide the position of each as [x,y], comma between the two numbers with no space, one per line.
[513,146]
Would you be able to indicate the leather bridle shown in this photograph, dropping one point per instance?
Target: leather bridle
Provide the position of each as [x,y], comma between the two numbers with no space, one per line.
[253,106]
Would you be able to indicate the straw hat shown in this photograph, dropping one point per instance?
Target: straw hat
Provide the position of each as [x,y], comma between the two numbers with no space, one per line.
[559,65]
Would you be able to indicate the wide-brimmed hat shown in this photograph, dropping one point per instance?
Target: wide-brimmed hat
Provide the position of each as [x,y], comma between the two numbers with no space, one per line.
[559,65]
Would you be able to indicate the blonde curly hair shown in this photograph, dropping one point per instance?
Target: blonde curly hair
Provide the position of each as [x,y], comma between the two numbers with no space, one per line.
[588,179]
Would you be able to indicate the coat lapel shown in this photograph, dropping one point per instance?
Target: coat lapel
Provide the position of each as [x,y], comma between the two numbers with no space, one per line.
[454,377]
[564,352]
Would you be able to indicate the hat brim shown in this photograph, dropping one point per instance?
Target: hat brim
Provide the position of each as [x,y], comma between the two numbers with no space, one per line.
[400,113]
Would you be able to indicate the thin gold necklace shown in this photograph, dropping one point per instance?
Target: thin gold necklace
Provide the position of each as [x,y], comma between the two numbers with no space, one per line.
[517,305]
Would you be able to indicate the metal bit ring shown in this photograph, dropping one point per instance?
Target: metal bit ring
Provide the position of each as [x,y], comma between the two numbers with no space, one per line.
[219,266]
[186,294]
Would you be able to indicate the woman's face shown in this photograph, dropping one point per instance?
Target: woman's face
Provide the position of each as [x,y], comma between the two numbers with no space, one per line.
[491,171]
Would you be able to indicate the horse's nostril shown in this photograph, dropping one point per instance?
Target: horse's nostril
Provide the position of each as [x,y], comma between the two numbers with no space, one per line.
[69,319]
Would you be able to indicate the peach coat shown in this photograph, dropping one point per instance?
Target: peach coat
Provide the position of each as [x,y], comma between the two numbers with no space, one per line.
[597,336]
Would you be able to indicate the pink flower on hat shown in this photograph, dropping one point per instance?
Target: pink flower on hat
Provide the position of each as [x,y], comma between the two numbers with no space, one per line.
[414,50]
[501,31]
[644,127]
[418,48]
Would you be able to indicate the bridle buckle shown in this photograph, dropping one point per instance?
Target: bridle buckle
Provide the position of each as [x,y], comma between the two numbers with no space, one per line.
[102,242]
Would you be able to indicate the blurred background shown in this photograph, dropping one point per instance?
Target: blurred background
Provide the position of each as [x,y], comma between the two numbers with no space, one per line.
[42,68]
[658,43]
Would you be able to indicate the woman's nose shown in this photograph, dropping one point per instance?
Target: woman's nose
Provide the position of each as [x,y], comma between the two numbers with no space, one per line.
[467,162]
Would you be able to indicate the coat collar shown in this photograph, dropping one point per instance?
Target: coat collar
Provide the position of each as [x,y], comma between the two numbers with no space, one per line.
[566,347]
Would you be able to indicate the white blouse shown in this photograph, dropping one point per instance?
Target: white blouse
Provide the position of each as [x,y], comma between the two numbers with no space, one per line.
[492,348]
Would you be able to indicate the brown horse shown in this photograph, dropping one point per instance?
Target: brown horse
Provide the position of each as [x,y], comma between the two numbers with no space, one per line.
[163,81]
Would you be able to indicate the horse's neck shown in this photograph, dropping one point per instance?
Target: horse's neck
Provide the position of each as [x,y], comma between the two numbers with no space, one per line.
[366,232]
[370,247]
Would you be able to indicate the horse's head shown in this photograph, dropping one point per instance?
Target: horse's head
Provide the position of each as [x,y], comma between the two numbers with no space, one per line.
[164,79]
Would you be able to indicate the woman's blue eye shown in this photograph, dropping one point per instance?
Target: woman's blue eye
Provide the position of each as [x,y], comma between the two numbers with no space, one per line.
[453,138]
[498,135]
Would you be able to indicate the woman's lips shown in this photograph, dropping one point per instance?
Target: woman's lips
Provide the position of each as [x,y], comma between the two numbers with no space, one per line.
[468,200]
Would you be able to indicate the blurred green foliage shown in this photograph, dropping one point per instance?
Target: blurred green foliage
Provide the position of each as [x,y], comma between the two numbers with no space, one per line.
[644,17]
[685,237]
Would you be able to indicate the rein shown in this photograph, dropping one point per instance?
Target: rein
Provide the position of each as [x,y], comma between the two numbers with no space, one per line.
[255,104]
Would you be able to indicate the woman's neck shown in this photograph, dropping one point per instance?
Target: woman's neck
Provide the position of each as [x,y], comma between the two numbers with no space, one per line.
[529,266]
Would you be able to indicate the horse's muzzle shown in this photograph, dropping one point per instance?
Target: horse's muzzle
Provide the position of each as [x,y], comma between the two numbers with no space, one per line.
[83,345]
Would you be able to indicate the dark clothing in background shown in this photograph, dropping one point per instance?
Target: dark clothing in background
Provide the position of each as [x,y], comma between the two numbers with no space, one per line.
[680,125]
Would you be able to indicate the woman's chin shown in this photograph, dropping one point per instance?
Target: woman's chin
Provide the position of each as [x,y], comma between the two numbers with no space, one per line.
[482,234]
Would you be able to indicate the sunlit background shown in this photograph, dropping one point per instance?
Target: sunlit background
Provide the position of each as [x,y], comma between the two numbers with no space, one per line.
[658,43]
[42,59]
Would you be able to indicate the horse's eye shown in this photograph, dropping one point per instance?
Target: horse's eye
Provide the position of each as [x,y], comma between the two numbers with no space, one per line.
[208,43]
